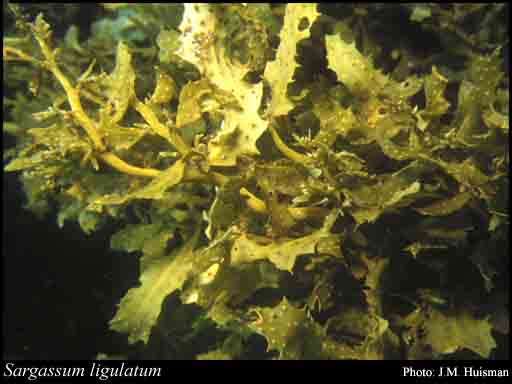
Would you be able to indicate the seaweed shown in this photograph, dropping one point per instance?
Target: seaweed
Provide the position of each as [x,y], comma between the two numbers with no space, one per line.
[299,167]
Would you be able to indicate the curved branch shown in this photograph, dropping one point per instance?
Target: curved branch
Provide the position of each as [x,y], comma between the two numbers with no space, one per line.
[285,150]
[121,165]
[71,92]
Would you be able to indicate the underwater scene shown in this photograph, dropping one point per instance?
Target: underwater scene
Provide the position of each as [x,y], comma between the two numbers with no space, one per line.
[256,181]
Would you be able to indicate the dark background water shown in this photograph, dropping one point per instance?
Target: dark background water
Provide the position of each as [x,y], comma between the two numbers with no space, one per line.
[60,286]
